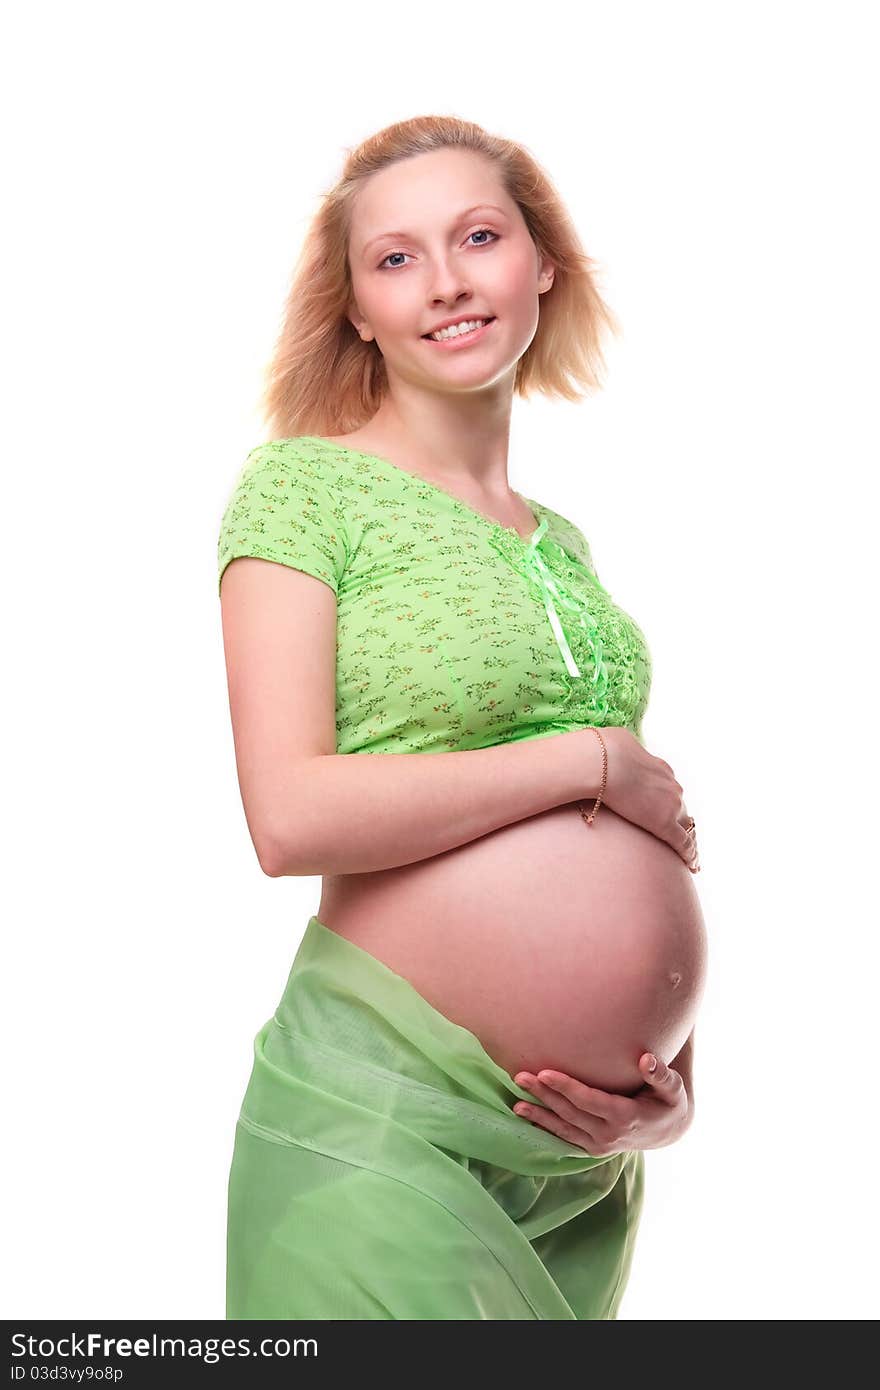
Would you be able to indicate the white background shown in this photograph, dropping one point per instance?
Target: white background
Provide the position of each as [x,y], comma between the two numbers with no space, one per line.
[162,165]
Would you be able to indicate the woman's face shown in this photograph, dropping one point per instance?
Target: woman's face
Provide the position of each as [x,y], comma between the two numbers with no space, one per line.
[436,237]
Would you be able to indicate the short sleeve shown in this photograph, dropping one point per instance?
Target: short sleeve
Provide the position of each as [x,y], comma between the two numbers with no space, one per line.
[282,509]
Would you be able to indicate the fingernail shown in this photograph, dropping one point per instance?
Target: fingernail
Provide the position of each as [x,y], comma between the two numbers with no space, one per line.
[652,1065]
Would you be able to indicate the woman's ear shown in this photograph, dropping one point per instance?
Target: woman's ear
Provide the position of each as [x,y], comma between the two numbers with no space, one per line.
[358,323]
[546,275]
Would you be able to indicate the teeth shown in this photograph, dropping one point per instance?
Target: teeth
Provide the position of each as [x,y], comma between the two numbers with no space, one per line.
[457,329]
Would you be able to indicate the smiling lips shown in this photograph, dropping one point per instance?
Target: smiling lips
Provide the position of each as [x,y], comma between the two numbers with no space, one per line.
[466,331]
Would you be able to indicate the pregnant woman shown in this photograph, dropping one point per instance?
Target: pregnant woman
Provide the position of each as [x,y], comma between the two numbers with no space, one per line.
[449,1107]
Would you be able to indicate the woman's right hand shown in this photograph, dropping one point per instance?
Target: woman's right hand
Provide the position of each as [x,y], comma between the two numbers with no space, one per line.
[642,788]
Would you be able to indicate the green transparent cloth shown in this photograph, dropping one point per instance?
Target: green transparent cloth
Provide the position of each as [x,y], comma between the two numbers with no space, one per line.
[378,1170]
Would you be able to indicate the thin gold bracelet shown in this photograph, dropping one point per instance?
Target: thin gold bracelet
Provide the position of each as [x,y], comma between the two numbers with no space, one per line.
[589,817]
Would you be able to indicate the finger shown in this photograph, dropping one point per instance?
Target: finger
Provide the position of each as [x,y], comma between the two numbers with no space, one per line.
[688,850]
[563,1108]
[665,1080]
[572,1134]
[687,839]
[588,1125]
[592,1125]
[586,1099]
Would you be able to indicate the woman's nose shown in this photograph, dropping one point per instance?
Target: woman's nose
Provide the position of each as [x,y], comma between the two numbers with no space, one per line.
[447,287]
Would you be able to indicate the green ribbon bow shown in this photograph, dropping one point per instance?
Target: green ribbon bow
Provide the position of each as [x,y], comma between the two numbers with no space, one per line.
[531,562]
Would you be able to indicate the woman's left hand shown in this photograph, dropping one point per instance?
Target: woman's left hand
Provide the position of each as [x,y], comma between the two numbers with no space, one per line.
[602,1122]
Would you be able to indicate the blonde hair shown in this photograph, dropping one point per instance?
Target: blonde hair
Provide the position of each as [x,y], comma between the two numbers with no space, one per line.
[322,378]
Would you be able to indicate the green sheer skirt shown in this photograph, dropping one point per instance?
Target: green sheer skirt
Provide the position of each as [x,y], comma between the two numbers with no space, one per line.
[378,1170]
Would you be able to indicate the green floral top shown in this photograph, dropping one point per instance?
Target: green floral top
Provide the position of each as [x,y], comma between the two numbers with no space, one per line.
[452,631]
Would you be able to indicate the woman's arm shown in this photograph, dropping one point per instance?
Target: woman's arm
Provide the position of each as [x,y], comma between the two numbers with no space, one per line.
[357,813]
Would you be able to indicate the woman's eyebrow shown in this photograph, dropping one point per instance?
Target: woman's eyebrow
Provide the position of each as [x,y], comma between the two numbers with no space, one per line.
[478,207]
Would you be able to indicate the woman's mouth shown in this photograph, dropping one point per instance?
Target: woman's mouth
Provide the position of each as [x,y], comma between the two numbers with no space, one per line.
[457,338]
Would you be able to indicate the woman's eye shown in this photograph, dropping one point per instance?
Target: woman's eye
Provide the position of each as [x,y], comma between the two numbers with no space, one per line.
[484,231]
[383,266]
[481,231]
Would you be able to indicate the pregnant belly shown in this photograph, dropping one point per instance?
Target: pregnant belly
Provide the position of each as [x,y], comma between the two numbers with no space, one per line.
[557,944]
